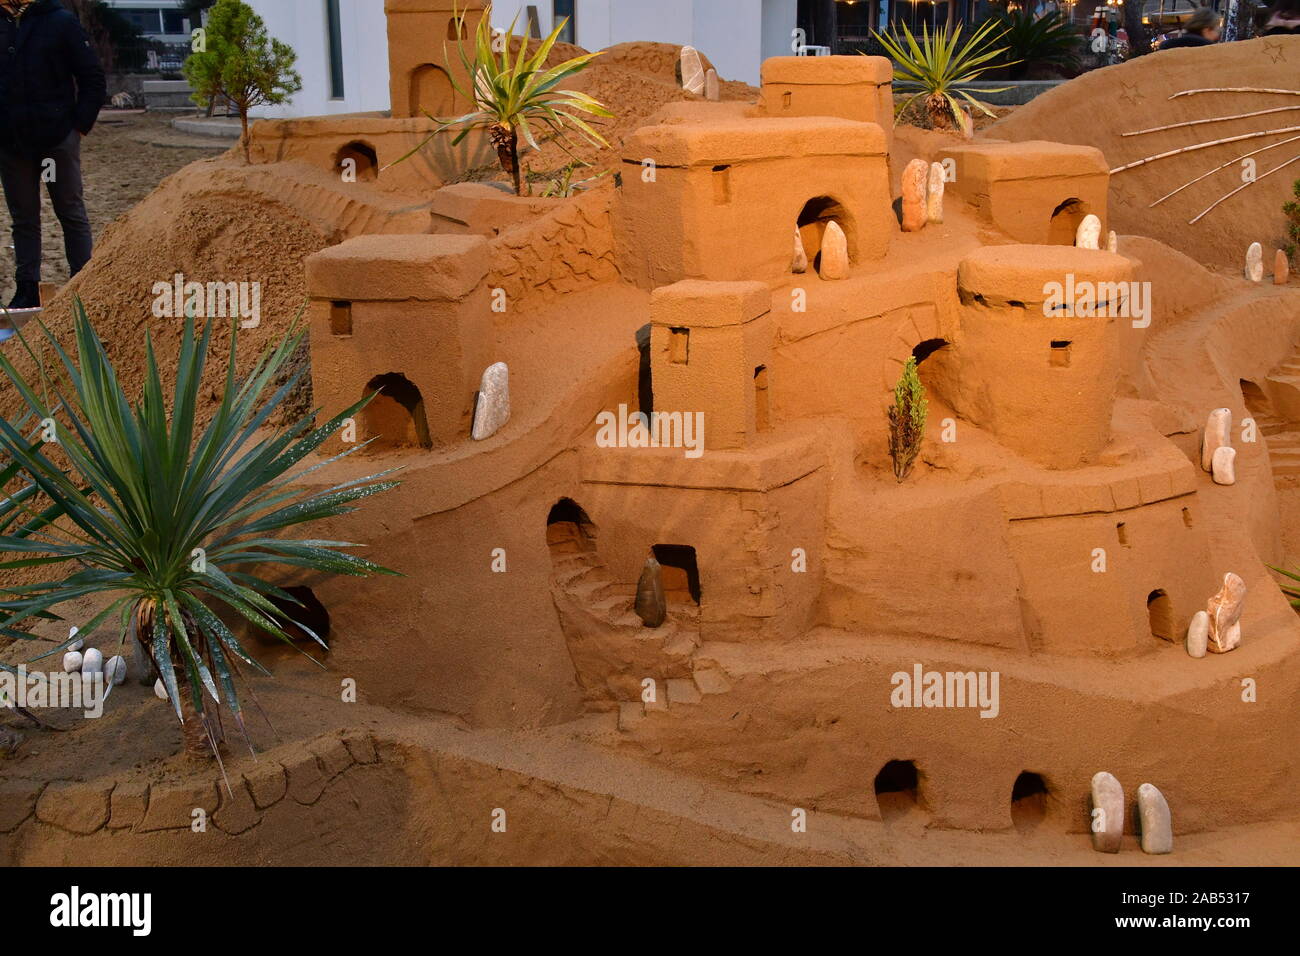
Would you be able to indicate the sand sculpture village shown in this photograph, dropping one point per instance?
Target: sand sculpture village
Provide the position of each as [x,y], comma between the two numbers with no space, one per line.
[664,589]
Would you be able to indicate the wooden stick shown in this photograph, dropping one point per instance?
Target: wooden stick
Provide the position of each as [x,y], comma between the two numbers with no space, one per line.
[1293,159]
[1212,119]
[1262,149]
[1235,89]
[1195,146]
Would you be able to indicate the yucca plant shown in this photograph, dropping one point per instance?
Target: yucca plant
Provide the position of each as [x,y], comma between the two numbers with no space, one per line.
[512,94]
[907,418]
[1049,40]
[169,522]
[1292,591]
[940,66]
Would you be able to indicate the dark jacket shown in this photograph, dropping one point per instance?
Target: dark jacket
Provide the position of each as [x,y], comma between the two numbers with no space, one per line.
[1185,39]
[51,81]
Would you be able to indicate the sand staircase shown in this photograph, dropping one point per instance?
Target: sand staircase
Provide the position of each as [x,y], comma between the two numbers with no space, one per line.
[593,604]
[1278,419]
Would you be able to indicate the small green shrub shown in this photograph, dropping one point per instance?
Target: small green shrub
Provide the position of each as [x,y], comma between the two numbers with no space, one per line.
[907,420]
[1292,210]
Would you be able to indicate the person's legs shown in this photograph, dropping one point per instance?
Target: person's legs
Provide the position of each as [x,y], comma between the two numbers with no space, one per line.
[69,205]
[21,176]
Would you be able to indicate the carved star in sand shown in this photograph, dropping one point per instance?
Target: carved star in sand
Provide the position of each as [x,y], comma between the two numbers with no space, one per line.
[1274,49]
[1131,95]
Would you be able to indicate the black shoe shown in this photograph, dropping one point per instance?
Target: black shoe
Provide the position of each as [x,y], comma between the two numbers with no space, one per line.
[28,296]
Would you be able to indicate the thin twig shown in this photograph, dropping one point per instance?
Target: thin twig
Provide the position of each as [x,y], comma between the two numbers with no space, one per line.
[1212,119]
[1235,89]
[1224,166]
[1294,159]
[1195,146]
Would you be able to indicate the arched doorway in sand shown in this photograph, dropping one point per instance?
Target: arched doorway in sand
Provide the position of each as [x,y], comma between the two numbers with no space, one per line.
[1028,801]
[570,535]
[395,417]
[1066,218]
[432,91]
[305,609]
[681,573]
[1160,614]
[358,159]
[898,790]
[816,215]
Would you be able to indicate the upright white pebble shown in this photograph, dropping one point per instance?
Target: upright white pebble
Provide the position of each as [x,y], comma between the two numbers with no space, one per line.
[92,661]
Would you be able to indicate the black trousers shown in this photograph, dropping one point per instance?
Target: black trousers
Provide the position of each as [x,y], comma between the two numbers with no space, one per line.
[60,170]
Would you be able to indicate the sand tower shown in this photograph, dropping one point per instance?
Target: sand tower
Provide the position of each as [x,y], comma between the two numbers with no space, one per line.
[721,199]
[407,317]
[1032,191]
[422,57]
[850,87]
[1039,342]
[709,352]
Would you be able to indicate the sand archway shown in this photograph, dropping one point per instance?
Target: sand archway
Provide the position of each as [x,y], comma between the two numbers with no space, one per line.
[1160,614]
[898,789]
[1028,801]
[431,91]
[304,609]
[816,214]
[681,572]
[395,417]
[569,530]
[360,159]
[1066,218]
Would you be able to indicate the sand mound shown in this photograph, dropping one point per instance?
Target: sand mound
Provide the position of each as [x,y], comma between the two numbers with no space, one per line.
[1099,107]
[635,81]
[210,224]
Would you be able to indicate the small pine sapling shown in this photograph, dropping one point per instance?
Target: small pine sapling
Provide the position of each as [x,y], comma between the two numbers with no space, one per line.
[242,63]
[907,420]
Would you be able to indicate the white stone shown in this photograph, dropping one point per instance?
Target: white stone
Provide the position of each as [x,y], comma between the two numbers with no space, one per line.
[1108,825]
[1224,611]
[1112,242]
[1255,262]
[1198,634]
[115,671]
[692,70]
[159,690]
[800,263]
[72,662]
[92,662]
[493,408]
[913,186]
[712,88]
[934,194]
[1218,432]
[77,644]
[1088,235]
[1224,466]
[1154,821]
[835,253]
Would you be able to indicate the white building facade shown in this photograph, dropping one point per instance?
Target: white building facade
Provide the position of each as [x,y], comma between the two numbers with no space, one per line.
[342,45]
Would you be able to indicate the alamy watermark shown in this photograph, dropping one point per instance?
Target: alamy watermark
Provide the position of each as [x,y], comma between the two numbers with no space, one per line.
[922,688]
[37,691]
[656,430]
[210,300]
[1085,299]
